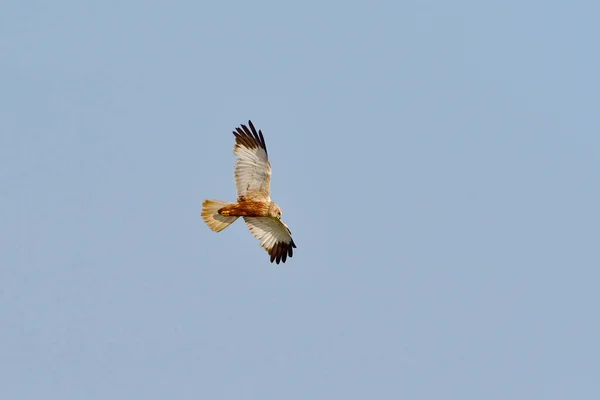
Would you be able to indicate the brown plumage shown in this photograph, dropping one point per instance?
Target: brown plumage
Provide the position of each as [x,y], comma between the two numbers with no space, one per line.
[246,209]
[252,180]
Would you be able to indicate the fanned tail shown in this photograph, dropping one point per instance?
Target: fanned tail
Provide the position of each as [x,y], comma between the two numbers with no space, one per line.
[213,219]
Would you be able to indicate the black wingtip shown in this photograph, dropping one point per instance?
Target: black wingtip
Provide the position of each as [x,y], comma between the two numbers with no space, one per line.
[249,137]
[281,251]
[258,136]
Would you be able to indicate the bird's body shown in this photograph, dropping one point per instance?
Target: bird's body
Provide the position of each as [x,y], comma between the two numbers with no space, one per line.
[248,208]
[254,204]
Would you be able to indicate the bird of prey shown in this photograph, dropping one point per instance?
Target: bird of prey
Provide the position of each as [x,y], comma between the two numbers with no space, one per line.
[252,180]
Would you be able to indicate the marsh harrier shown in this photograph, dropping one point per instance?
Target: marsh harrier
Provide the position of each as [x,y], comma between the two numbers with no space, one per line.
[252,181]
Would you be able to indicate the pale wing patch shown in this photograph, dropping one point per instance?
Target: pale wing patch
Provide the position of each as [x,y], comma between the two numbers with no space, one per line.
[275,237]
[252,168]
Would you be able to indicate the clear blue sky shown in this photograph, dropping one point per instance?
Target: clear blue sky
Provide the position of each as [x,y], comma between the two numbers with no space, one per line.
[437,162]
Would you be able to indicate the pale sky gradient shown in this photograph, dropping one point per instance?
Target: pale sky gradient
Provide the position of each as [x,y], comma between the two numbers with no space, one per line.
[437,162]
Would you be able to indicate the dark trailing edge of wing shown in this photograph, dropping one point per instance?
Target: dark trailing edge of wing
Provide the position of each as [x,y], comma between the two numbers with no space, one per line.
[281,251]
[249,137]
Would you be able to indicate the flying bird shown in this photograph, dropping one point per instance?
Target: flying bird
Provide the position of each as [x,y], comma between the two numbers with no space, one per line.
[252,180]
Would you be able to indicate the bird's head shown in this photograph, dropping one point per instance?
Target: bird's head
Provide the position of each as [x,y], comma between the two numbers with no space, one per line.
[275,211]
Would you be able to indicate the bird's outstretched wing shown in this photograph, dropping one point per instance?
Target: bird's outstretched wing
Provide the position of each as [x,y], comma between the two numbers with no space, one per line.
[275,237]
[252,168]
